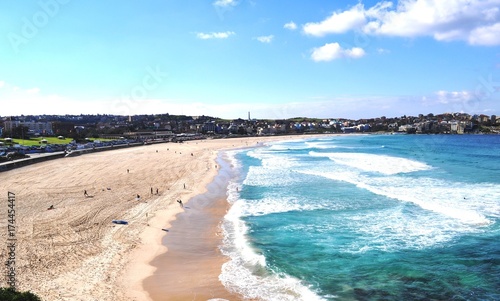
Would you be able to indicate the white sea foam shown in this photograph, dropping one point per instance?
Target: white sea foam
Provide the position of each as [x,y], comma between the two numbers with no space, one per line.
[239,230]
[449,199]
[246,272]
[446,198]
[233,191]
[321,145]
[286,147]
[231,157]
[260,176]
[431,212]
[382,164]
[271,159]
[391,230]
[275,204]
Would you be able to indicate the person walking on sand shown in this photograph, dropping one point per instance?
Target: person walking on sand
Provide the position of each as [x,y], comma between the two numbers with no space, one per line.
[85,194]
[151,190]
[180,203]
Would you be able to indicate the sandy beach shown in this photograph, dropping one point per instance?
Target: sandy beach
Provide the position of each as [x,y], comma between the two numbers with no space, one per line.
[75,252]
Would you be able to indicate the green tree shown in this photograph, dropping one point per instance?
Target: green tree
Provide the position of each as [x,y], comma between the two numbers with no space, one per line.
[20,132]
[10,294]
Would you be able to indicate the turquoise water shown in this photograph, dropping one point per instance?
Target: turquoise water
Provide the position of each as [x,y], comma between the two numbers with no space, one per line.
[370,217]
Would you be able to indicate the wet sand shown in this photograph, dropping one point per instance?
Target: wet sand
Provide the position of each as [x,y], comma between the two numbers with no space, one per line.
[193,246]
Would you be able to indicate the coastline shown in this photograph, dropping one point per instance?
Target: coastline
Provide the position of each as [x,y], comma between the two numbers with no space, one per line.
[190,268]
[75,252]
[187,280]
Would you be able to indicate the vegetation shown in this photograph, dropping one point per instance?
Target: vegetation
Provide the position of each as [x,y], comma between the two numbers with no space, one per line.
[10,294]
[38,141]
[20,131]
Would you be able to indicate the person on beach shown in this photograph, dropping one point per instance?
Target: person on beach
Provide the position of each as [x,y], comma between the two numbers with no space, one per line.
[151,190]
[85,193]
[180,203]
[128,170]
[156,190]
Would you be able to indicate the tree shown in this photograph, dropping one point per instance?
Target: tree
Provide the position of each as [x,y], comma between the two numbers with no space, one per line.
[241,130]
[20,132]
[10,294]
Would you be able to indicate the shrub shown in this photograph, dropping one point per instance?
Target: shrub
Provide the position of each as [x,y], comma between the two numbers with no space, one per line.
[10,294]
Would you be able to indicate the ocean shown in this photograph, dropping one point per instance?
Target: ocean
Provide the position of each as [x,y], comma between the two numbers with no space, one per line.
[365,217]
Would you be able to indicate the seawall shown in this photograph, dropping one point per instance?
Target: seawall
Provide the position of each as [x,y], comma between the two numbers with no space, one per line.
[57,155]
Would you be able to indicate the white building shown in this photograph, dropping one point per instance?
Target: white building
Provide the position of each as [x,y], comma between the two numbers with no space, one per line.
[34,127]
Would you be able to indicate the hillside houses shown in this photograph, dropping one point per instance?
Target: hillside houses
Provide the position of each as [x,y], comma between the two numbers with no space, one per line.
[165,125]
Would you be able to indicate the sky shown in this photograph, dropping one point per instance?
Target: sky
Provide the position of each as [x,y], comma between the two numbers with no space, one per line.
[225,58]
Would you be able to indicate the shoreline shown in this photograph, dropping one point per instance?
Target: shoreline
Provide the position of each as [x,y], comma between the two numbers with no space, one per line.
[193,244]
[155,264]
[75,252]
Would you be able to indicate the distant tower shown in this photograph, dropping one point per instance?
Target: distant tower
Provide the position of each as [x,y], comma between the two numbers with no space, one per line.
[249,115]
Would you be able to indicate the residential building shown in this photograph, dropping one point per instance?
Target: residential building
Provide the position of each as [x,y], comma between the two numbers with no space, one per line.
[41,128]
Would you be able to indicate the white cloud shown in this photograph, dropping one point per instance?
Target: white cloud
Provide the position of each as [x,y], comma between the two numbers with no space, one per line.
[10,89]
[265,39]
[471,102]
[290,25]
[475,21]
[214,35]
[333,51]
[30,101]
[225,3]
[338,22]
[486,35]
[447,97]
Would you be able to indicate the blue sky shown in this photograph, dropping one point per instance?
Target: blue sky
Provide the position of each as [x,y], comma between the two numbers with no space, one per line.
[224,58]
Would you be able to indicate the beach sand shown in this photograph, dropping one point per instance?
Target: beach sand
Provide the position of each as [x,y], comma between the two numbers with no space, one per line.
[75,252]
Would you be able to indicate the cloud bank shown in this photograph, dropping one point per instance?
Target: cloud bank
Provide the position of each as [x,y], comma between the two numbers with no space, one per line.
[477,22]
